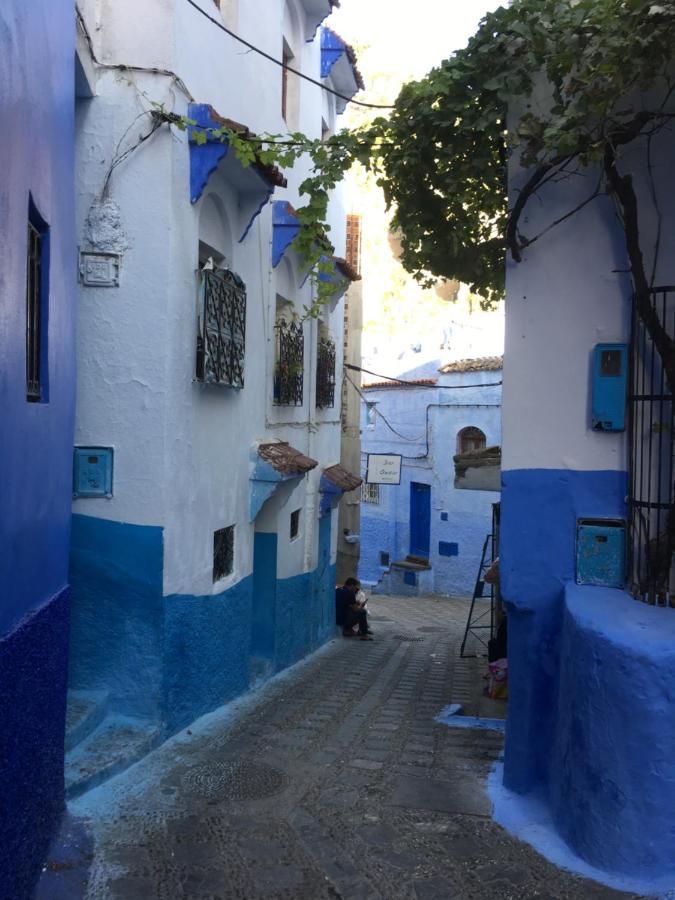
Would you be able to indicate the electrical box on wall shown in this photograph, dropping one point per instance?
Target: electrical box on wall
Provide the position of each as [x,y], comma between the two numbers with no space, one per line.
[601,552]
[92,472]
[610,378]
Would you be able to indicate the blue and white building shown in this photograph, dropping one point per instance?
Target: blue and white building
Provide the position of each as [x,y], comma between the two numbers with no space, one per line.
[37,399]
[591,730]
[426,534]
[207,433]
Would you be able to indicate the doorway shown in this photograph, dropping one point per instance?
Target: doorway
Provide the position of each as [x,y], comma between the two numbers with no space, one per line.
[420,519]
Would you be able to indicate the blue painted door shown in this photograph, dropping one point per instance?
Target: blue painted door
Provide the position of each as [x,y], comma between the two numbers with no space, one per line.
[420,519]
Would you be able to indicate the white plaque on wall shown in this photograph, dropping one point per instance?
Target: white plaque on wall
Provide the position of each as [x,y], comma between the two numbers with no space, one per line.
[383,468]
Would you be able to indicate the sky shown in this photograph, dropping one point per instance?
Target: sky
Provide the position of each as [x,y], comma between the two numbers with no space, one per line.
[418,33]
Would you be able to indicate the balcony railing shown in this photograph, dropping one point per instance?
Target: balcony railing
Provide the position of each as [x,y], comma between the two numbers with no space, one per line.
[288,369]
[221,341]
[325,373]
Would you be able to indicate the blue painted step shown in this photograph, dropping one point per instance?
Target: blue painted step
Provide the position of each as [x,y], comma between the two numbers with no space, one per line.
[117,743]
[85,712]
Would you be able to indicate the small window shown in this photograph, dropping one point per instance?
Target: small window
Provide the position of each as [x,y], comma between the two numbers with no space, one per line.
[223,552]
[370,493]
[37,282]
[295,524]
[384,558]
[470,439]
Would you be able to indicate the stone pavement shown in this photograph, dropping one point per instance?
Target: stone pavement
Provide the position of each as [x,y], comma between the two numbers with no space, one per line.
[333,781]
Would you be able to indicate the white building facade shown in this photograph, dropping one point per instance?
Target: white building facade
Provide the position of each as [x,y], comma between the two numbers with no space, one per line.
[204,533]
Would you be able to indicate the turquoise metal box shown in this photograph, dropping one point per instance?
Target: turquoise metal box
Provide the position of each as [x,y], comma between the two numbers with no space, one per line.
[601,552]
[92,472]
[610,379]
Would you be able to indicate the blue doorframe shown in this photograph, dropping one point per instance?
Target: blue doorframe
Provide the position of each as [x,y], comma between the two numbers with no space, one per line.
[420,519]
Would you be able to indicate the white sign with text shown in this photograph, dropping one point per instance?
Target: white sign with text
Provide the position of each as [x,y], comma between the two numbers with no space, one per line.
[383,468]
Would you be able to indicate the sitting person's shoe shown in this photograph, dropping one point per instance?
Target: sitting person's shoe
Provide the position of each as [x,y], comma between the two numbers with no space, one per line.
[347,632]
[366,637]
[370,631]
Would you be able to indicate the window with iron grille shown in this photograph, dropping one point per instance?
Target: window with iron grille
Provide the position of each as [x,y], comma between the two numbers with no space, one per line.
[36,304]
[289,363]
[651,500]
[221,341]
[295,524]
[223,552]
[325,373]
[370,493]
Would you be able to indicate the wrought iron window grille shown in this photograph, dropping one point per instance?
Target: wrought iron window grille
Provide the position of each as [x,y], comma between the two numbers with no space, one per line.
[651,501]
[325,373]
[289,364]
[221,338]
[33,314]
[370,493]
[223,552]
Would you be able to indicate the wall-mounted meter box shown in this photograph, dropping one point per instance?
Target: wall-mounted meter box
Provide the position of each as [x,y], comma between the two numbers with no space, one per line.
[610,379]
[92,472]
[601,552]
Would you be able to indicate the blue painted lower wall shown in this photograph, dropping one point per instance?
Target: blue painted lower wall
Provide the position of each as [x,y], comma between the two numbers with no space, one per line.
[33,676]
[539,511]
[207,645]
[591,673]
[116,573]
[171,659]
[613,785]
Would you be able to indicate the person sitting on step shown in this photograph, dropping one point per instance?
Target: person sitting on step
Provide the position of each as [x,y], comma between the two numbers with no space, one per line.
[350,611]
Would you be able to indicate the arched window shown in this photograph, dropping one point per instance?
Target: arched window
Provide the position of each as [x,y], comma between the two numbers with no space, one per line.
[470,439]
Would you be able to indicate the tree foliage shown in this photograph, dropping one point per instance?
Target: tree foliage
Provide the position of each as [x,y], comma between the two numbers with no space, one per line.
[568,76]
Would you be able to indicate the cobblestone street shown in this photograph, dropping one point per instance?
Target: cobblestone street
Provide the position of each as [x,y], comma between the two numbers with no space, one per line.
[334,781]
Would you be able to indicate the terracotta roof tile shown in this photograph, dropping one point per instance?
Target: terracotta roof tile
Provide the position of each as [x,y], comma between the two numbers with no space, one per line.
[482,364]
[340,477]
[346,269]
[286,459]
[413,382]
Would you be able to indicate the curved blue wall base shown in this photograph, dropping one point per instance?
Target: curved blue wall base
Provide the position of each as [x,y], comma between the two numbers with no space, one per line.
[33,676]
[613,775]
[539,512]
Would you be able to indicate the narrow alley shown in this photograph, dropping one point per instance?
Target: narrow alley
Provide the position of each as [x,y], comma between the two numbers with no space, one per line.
[331,781]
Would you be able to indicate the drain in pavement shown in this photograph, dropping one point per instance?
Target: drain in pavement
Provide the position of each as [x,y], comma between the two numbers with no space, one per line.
[411,639]
[235,781]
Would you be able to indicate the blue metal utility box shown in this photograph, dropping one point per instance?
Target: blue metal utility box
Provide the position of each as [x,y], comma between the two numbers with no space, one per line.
[610,377]
[601,552]
[92,472]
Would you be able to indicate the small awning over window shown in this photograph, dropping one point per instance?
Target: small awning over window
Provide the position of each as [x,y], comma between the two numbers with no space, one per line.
[317,11]
[255,184]
[285,227]
[336,481]
[286,459]
[273,464]
[338,60]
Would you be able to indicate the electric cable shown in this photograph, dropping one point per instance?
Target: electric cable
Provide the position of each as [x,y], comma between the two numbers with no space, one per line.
[381,415]
[435,387]
[283,65]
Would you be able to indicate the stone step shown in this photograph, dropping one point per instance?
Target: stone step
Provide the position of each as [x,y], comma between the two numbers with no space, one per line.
[84,713]
[117,743]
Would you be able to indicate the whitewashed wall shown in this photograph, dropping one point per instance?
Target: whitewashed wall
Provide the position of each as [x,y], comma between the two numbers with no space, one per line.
[182,449]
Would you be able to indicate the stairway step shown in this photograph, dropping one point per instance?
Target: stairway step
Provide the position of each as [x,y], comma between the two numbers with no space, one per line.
[117,743]
[84,713]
